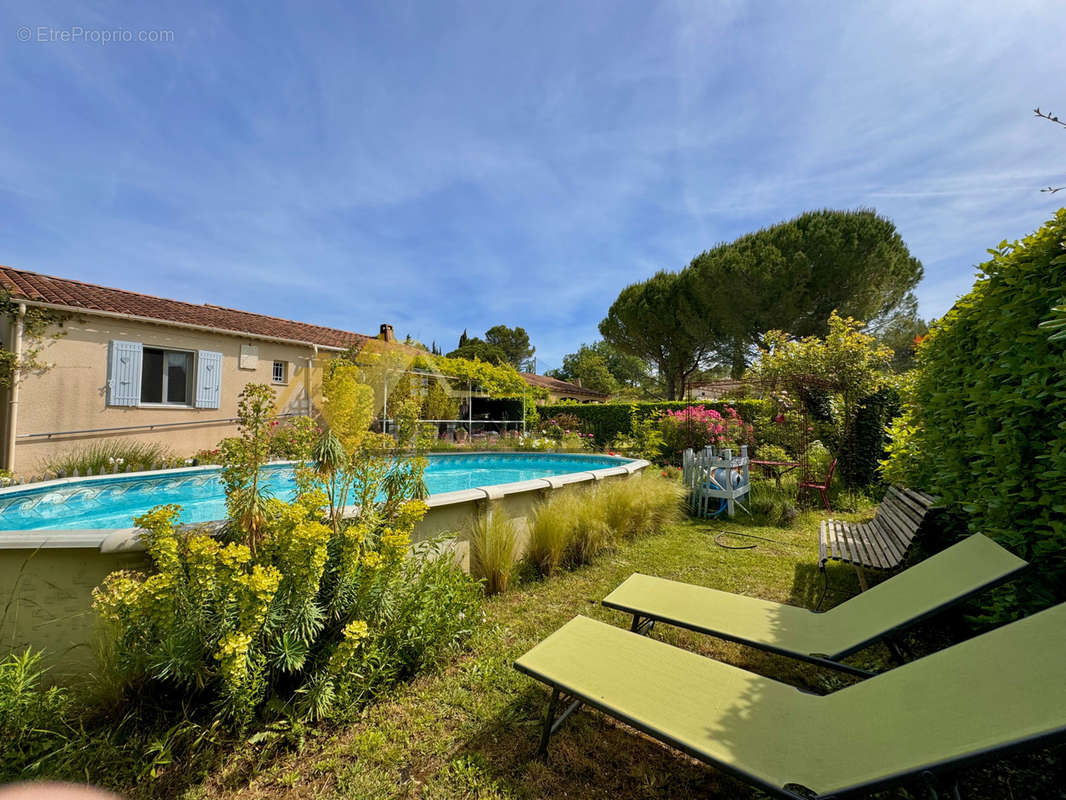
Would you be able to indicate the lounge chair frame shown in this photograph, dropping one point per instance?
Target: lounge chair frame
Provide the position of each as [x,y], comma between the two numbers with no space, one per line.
[939,778]
[643,620]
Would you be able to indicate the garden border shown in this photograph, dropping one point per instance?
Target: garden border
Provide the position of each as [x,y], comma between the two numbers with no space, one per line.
[48,575]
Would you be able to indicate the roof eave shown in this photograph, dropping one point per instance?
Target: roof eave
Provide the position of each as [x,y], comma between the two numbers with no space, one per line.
[185,325]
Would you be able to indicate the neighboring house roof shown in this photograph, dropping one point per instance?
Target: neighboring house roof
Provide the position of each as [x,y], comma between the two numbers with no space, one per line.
[34,287]
[720,385]
[560,387]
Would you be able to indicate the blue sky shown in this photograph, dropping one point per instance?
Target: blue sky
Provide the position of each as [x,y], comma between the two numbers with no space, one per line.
[456,165]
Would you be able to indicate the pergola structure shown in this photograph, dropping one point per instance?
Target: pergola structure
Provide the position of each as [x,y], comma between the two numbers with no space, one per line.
[466,396]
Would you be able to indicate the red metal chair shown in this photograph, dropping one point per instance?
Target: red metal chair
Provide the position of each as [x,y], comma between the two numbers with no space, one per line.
[823,488]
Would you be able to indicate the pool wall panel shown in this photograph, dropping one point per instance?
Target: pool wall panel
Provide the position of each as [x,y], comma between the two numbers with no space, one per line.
[47,577]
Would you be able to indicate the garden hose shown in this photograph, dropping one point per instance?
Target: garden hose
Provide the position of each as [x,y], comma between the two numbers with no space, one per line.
[746,536]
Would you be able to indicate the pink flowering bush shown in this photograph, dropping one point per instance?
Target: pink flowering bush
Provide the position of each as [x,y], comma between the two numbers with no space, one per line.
[697,427]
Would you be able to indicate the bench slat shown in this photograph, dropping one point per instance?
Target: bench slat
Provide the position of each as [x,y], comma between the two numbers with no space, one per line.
[893,527]
[889,557]
[908,505]
[892,548]
[856,546]
[905,529]
[869,538]
[885,556]
[831,535]
[835,545]
[881,543]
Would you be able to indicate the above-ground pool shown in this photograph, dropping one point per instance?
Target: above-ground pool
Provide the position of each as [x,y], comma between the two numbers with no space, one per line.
[113,501]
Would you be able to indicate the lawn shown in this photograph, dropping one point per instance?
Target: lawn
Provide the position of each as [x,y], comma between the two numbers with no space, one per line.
[470,729]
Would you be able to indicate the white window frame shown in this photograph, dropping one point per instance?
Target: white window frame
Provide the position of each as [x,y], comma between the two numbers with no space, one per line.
[190,393]
[284,379]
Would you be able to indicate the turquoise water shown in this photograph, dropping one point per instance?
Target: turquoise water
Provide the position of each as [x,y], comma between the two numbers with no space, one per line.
[114,502]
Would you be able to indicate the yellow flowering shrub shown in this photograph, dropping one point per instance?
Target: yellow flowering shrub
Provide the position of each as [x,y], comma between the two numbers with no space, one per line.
[372,559]
[348,405]
[256,590]
[232,656]
[118,595]
[312,610]
[352,636]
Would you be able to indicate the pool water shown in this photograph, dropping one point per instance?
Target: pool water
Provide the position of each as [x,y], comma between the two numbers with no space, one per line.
[113,502]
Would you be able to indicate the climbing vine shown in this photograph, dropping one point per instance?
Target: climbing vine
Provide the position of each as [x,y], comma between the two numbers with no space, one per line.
[37,329]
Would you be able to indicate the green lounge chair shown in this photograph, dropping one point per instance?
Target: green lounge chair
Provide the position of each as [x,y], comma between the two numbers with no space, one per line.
[824,638]
[1000,691]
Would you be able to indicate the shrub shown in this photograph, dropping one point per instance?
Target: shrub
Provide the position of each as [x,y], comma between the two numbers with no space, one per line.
[432,606]
[606,421]
[578,524]
[984,423]
[493,550]
[772,452]
[551,531]
[777,506]
[818,460]
[591,534]
[438,403]
[29,714]
[294,439]
[862,452]
[108,456]
[294,608]
[209,455]
[697,427]
[654,502]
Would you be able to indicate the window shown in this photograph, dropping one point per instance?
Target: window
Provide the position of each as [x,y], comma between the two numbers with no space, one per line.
[166,376]
[280,370]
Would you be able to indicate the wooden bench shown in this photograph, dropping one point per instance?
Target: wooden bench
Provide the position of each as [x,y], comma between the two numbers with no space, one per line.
[880,543]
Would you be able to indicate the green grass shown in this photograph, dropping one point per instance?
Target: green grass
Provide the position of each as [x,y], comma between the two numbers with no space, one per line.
[470,728]
[493,550]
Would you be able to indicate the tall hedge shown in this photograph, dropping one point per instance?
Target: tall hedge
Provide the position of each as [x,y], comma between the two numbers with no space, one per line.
[862,450]
[607,420]
[985,423]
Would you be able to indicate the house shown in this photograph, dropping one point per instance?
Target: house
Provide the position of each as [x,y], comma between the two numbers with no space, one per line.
[119,364]
[714,389]
[559,391]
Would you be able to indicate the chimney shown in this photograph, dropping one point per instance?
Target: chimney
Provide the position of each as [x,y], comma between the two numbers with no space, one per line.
[577,382]
[386,334]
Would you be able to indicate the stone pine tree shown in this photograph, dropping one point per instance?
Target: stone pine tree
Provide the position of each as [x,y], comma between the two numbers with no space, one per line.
[644,322]
[793,275]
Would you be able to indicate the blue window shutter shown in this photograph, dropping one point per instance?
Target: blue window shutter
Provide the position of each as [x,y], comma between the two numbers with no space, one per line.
[208,379]
[124,374]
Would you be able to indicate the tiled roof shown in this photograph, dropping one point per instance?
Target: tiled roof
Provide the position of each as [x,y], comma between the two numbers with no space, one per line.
[33,286]
[556,385]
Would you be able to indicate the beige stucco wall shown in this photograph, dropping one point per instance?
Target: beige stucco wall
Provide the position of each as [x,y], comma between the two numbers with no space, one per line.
[72,394]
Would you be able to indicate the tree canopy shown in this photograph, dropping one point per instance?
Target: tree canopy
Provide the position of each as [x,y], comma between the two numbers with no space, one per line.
[501,345]
[792,275]
[644,322]
[903,331]
[512,342]
[604,369]
[478,349]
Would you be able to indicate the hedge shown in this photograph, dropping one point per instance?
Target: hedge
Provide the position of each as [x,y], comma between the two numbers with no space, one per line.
[608,420]
[862,451]
[984,425]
